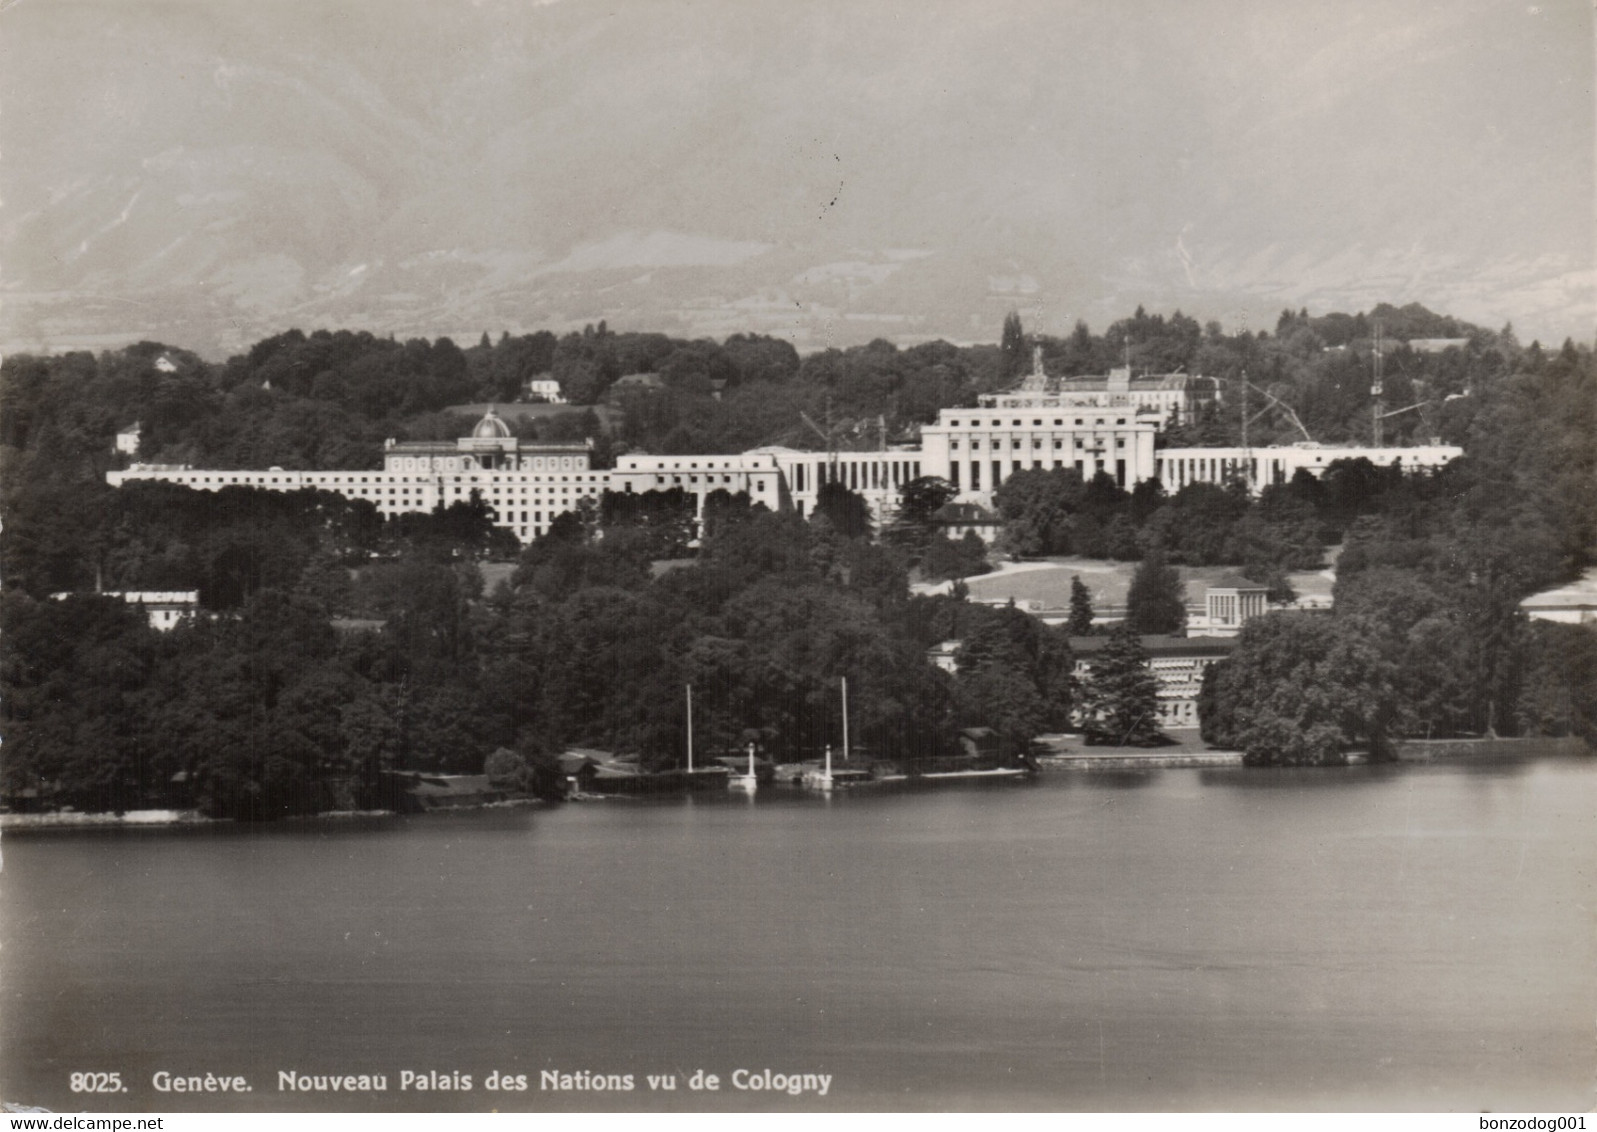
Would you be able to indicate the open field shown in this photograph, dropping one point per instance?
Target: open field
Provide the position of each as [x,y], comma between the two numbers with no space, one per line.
[1048,583]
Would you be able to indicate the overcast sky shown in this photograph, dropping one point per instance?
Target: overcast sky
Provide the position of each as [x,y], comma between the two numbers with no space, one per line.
[206,173]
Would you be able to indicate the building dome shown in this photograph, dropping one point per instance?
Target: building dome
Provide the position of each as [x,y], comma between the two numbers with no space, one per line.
[491,428]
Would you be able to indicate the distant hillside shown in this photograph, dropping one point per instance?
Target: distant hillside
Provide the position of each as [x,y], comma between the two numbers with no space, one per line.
[826,173]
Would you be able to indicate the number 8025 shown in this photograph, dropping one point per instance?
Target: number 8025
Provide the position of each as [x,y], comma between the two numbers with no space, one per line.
[96,1083]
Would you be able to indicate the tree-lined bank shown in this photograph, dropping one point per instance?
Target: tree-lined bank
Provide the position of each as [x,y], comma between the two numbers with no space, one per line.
[337,645]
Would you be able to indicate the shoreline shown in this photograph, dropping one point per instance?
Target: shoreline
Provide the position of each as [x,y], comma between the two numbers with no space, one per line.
[1067,756]
[1070,752]
[167,819]
[1125,758]
[77,819]
[1425,750]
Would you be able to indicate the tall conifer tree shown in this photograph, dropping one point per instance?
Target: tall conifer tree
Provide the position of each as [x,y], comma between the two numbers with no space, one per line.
[1080,623]
[1156,602]
[1120,698]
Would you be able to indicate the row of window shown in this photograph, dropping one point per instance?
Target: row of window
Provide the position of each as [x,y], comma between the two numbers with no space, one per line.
[1086,468]
[495,492]
[503,519]
[1094,399]
[676,466]
[516,479]
[1181,472]
[451,463]
[662,479]
[343,481]
[1058,423]
[376,494]
[997,445]
[855,474]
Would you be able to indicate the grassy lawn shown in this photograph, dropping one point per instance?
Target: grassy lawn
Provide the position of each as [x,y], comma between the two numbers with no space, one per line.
[1049,583]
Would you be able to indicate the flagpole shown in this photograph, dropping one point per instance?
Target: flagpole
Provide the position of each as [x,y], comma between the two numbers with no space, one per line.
[845,721]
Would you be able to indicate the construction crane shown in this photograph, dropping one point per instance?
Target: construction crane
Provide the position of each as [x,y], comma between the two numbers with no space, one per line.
[1277,403]
[1429,427]
[1407,408]
[828,435]
[1380,413]
[1377,430]
[1274,401]
[1244,412]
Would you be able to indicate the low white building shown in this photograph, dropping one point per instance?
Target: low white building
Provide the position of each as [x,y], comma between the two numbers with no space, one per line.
[127,440]
[945,655]
[775,476]
[755,472]
[1178,663]
[1175,468]
[163,608]
[1574,604]
[1227,606]
[545,389]
[956,520]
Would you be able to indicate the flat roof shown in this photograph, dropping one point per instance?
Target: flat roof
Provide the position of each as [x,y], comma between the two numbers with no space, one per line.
[1159,645]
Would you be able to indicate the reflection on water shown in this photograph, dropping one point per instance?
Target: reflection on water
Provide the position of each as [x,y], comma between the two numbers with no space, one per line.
[1411,936]
[1120,779]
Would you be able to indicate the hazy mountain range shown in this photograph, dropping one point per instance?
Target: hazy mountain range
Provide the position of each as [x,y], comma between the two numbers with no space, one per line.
[210,173]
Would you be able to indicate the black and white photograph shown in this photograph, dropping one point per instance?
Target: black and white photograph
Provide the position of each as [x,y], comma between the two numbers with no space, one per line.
[712,556]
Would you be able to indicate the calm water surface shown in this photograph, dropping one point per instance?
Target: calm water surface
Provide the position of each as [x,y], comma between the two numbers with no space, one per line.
[1410,937]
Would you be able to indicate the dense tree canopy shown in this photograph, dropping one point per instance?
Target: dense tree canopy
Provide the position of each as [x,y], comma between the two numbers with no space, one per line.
[1302,690]
[261,707]
[947,557]
[1015,677]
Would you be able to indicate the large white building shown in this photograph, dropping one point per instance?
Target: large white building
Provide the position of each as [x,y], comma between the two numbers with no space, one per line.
[1164,398]
[1111,425]
[1091,425]
[527,484]
[774,475]
[1227,606]
[977,449]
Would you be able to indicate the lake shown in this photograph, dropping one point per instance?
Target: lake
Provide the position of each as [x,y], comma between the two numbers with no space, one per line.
[1393,937]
